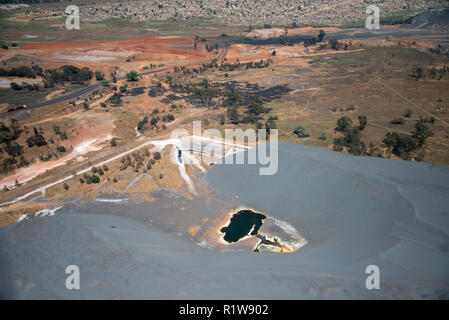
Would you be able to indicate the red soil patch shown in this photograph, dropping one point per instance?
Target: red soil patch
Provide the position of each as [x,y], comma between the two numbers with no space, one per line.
[148,40]
[178,48]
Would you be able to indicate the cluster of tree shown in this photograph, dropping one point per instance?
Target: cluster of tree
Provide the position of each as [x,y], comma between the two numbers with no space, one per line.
[99,76]
[351,139]
[334,45]
[142,123]
[228,98]
[168,118]
[67,73]
[89,179]
[408,147]
[147,123]
[398,121]
[36,140]
[7,165]
[226,66]
[215,47]
[319,38]
[258,65]
[439,49]
[58,132]
[94,177]
[22,72]
[419,73]
[11,148]
[29,86]
[233,114]
[255,109]
[223,66]
[8,134]
[203,91]
[116,99]
[136,160]
[270,124]
[15,151]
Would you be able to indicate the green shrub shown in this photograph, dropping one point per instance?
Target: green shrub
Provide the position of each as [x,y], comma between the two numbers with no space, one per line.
[301,132]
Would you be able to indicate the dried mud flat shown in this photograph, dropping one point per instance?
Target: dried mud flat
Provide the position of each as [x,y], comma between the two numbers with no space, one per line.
[354,212]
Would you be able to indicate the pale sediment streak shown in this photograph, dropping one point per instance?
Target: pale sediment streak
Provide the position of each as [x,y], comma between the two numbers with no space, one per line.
[298,242]
[182,169]
[41,213]
[111,200]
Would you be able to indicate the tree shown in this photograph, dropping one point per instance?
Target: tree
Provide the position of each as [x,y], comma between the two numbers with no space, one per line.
[36,140]
[398,121]
[418,73]
[408,113]
[15,86]
[362,122]
[301,132]
[321,36]
[61,149]
[168,118]
[66,186]
[233,114]
[352,141]
[270,124]
[154,121]
[99,75]
[255,107]
[421,132]
[57,129]
[132,76]
[323,136]
[335,45]
[13,149]
[95,179]
[400,145]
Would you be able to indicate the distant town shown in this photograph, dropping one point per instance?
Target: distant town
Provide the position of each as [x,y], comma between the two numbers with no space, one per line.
[242,12]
